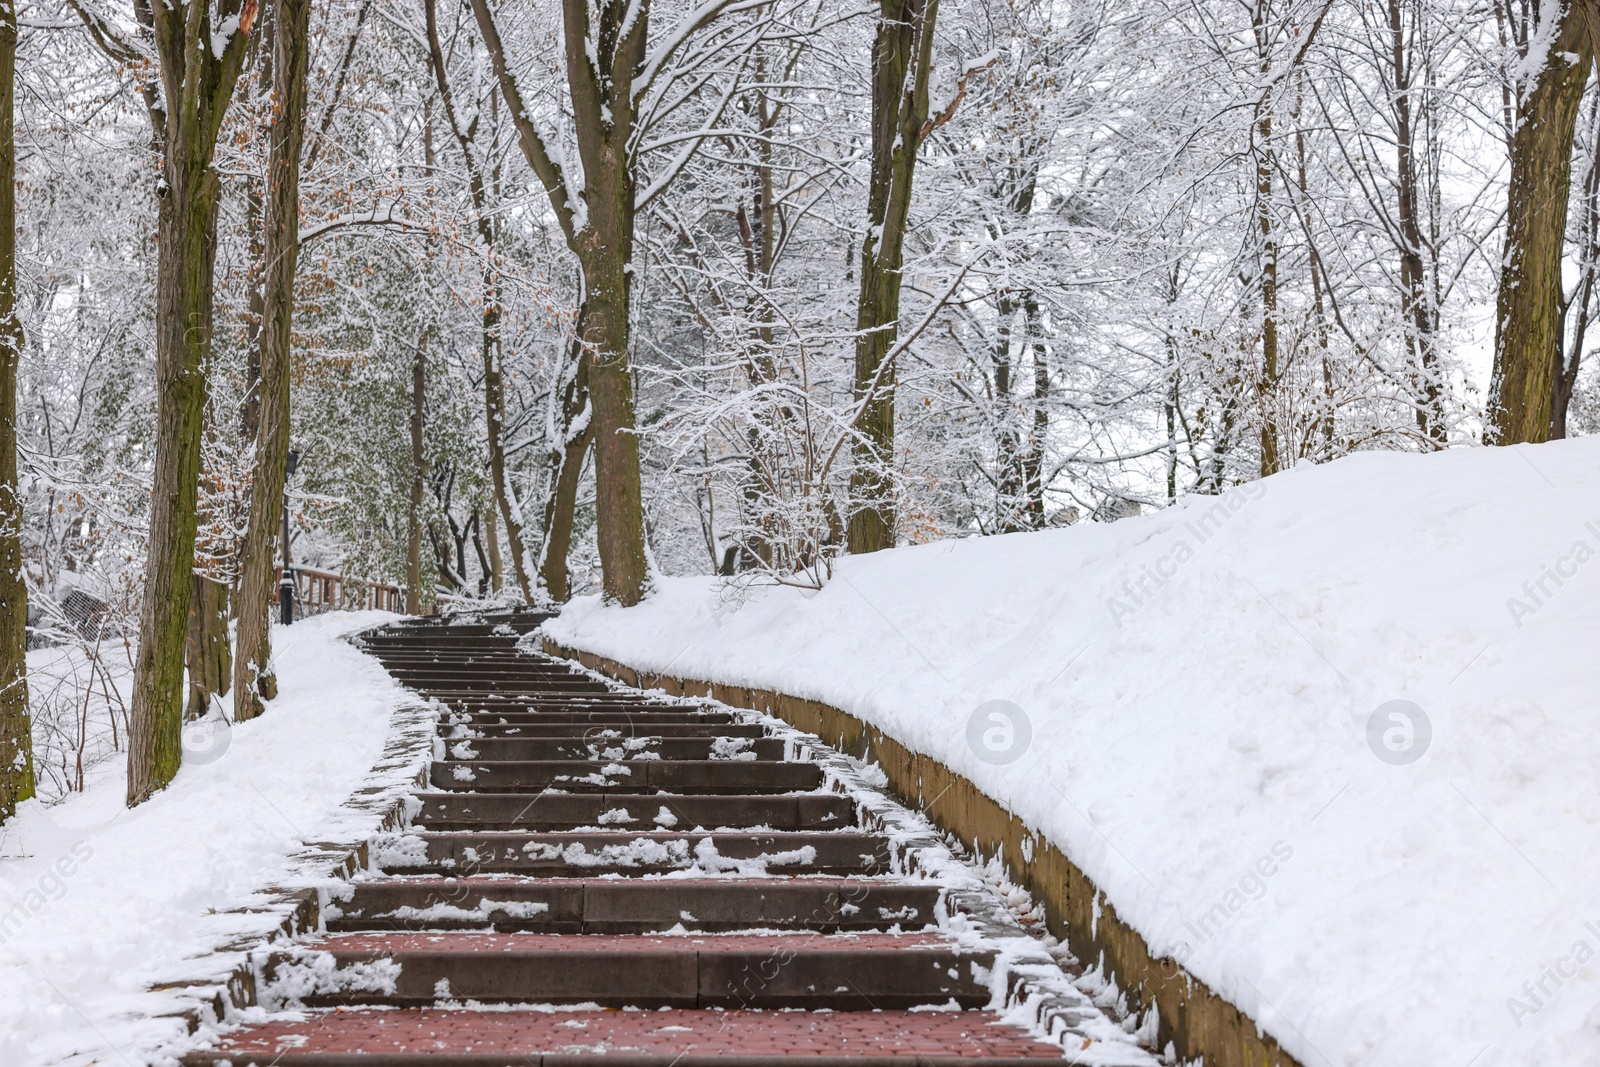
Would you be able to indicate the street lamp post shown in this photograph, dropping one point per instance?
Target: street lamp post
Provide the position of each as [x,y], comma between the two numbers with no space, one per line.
[286,583]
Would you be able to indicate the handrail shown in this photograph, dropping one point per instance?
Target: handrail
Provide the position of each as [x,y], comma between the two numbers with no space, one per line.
[317,591]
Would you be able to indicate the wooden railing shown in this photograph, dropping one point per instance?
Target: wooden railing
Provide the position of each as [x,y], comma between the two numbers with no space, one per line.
[317,591]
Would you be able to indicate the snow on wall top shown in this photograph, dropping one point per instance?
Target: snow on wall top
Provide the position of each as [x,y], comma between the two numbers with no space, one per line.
[1201,711]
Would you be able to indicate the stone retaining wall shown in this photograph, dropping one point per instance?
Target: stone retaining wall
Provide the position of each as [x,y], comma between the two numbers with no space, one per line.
[1196,1021]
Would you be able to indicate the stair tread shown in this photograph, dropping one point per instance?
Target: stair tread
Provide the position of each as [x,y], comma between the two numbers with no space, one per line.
[968,1036]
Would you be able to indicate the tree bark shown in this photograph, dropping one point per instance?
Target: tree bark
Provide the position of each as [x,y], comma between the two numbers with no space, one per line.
[1528,308]
[1033,457]
[254,680]
[419,477]
[619,502]
[494,402]
[566,471]
[1267,382]
[1008,443]
[16,731]
[187,242]
[209,656]
[199,71]
[1580,305]
[902,59]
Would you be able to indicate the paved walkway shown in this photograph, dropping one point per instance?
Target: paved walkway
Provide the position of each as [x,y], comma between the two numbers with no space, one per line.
[559,897]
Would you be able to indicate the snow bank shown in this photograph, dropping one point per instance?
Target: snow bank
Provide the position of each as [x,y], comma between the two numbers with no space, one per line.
[98,902]
[1196,707]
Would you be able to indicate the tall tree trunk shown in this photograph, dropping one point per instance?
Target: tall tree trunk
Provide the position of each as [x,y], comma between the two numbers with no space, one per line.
[1008,444]
[1579,307]
[199,71]
[1319,313]
[619,503]
[419,477]
[254,680]
[1033,457]
[566,471]
[187,240]
[902,58]
[1420,331]
[494,397]
[250,410]
[605,51]
[255,210]
[1528,308]
[16,731]
[1267,382]
[495,566]
[209,657]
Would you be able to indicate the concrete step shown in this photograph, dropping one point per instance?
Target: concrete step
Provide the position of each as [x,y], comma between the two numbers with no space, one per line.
[433,1037]
[425,649]
[485,677]
[443,638]
[499,689]
[549,712]
[486,635]
[589,855]
[479,658]
[629,812]
[593,744]
[556,695]
[634,906]
[746,777]
[850,972]
[438,644]
[602,733]
[489,682]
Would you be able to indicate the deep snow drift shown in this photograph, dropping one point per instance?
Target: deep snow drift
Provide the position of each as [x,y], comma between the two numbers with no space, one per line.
[98,902]
[1203,722]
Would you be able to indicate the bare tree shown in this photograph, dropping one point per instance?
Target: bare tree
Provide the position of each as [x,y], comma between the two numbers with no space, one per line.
[480,183]
[618,80]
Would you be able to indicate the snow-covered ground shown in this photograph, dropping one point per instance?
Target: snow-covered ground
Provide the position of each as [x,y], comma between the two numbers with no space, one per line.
[98,902]
[1198,707]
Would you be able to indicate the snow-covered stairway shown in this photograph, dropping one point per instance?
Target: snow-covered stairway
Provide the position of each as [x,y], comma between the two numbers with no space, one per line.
[732,886]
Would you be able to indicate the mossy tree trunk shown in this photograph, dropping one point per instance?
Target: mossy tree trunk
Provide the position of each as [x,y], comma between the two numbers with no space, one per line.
[199,70]
[255,681]
[16,735]
[902,59]
[1527,342]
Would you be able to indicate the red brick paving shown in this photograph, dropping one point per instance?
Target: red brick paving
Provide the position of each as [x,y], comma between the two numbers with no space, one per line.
[516,1033]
